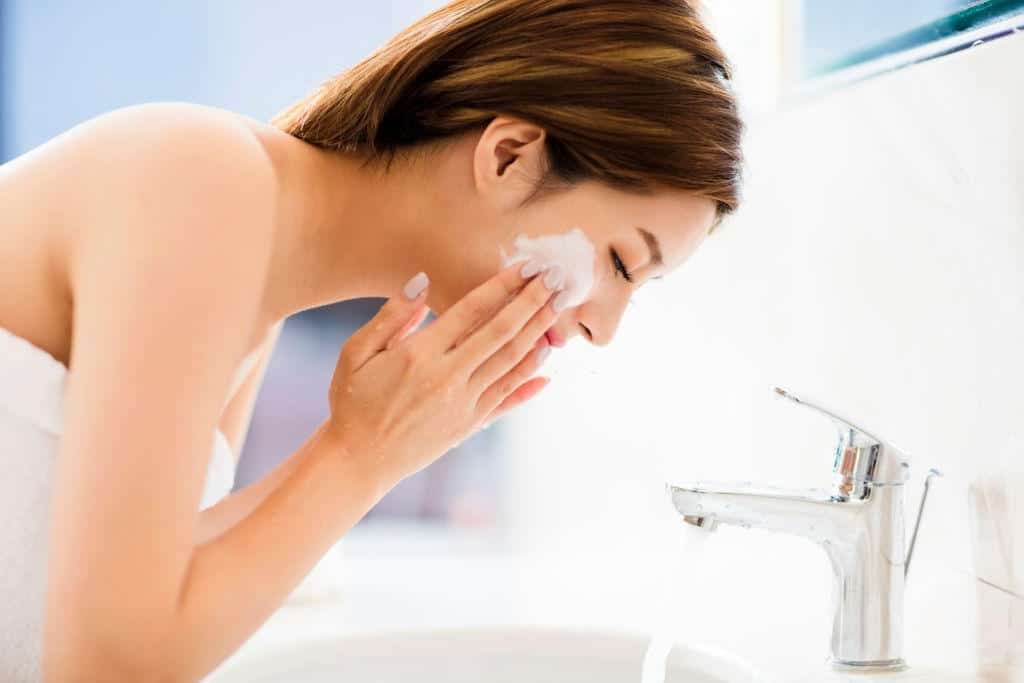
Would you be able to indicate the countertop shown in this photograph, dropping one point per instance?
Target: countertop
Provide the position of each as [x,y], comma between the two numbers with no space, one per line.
[762,596]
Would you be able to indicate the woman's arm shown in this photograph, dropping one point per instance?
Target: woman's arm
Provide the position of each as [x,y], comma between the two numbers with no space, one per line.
[234,423]
[176,200]
[236,581]
[237,416]
[228,511]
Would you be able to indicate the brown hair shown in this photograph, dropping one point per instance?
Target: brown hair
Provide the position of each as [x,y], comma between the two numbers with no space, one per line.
[634,93]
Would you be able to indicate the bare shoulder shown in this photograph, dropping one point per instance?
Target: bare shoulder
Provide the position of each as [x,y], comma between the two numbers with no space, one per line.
[194,183]
[186,126]
[137,152]
[190,183]
[186,136]
[190,146]
[172,233]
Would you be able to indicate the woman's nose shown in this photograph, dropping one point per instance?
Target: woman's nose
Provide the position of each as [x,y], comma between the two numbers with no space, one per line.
[599,326]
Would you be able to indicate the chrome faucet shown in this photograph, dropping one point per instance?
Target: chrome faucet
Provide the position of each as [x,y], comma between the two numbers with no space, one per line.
[859,524]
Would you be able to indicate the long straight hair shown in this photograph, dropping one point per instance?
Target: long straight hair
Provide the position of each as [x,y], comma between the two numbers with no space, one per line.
[634,93]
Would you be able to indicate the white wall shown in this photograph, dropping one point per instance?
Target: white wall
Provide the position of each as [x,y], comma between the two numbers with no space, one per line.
[68,61]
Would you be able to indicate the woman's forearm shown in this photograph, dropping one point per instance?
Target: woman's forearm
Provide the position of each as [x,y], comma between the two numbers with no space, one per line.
[238,579]
[218,518]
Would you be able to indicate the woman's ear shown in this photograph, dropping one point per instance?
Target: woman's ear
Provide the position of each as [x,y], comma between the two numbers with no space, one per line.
[509,160]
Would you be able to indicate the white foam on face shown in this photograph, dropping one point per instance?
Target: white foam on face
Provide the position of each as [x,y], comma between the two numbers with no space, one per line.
[571,250]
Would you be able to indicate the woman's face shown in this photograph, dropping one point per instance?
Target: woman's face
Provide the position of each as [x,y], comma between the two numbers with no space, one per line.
[481,185]
[635,238]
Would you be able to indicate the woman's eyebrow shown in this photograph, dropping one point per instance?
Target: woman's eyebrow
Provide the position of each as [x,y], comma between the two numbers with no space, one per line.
[653,246]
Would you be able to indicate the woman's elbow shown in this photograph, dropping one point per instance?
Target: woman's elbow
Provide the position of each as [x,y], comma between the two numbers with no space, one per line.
[74,652]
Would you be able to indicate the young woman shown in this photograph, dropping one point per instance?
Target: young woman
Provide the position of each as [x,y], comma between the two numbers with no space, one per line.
[150,256]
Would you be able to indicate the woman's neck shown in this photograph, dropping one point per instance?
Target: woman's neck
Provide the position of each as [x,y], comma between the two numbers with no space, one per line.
[344,232]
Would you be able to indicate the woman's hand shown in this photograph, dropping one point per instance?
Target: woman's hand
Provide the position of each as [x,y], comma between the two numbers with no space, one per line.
[399,402]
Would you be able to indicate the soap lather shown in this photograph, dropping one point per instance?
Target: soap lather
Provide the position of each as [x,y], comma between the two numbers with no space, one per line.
[571,250]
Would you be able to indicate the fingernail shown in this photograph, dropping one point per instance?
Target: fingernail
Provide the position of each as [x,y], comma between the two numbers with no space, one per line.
[561,301]
[415,285]
[530,269]
[553,276]
[542,355]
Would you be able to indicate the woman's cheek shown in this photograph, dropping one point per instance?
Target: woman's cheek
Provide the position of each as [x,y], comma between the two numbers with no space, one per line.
[572,250]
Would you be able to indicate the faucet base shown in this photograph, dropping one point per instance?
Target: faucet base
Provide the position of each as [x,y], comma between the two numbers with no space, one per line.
[883,665]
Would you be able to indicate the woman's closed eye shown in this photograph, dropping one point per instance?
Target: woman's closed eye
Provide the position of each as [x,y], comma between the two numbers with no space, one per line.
[619,265]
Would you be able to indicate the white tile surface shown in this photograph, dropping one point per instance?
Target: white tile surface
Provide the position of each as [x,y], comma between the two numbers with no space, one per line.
[760,596]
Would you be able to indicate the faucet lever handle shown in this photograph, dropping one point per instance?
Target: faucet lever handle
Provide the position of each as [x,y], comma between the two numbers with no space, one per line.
[841,422]
[860,456]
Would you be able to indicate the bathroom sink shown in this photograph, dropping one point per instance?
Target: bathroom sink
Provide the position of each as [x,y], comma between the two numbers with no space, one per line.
[480,655]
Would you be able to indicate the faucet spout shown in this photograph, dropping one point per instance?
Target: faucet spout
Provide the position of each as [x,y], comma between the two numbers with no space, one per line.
[811,513]
[862,535]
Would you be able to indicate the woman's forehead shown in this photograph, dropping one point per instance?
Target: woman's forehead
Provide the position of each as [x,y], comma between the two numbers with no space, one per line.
[674,221]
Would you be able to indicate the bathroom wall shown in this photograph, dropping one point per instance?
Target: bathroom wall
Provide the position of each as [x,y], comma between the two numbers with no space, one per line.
[875,267]
[5,58]
[63,62]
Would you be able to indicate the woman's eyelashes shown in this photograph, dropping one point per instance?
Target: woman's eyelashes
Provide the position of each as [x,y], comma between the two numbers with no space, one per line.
[619,265]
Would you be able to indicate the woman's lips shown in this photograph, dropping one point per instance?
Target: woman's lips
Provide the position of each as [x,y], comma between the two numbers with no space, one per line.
[553,338]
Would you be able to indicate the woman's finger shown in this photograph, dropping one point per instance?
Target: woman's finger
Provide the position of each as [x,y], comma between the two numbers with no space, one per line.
[475,308]
[522,394]
[392,318]
[409,326]
[507,338]
[511,381]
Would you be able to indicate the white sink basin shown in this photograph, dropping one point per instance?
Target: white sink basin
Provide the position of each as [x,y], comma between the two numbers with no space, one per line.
[479,655]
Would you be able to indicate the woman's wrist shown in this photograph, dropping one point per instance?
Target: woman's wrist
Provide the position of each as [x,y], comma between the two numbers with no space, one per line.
[356,465]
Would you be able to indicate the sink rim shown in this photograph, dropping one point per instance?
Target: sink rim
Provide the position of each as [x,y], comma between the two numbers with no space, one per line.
[426,641]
